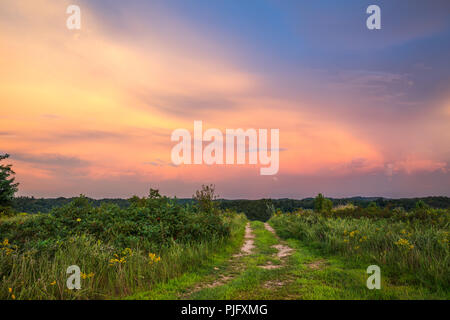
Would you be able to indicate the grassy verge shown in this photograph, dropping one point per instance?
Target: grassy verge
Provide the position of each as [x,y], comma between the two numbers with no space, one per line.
[313,274]
[207,267]
[339,250]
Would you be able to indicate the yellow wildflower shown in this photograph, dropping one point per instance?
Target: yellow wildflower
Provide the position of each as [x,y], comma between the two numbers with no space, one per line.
[9,290]
[153,258]
[53,283]
[127,251]
[352,234]
[404,243]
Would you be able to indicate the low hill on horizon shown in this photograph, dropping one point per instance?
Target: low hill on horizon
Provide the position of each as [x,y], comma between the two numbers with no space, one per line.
[43,205]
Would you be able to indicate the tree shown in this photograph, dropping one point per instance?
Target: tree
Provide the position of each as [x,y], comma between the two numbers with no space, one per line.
[322,204]
[372,208]
[420,205]
[318,202]
[327,205]
[205,198]
[7,186]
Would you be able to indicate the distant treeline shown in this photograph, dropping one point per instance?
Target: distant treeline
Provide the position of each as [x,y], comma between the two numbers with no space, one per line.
[254,209]
[260,209]
[287,205]
[44,205]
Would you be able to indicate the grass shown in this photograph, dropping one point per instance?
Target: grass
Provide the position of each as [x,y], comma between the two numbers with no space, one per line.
[329,254]
[211,265]
[413,255]
[41,274]
[309,273]
[314,274]
[249,275]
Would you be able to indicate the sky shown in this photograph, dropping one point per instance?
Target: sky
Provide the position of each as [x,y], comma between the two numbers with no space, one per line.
[360,112]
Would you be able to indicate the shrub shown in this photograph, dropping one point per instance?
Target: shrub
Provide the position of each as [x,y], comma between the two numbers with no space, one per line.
[151,222]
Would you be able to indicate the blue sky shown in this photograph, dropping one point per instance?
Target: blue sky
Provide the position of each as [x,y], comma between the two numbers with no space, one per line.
[360,112]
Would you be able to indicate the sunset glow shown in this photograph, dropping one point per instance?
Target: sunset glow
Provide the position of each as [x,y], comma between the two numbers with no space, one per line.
[92,111]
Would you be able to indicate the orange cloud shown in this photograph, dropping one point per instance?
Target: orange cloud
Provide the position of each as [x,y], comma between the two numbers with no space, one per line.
[112,104]
[412,165]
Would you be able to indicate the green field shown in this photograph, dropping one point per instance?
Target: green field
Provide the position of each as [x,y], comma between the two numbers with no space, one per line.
[159,248]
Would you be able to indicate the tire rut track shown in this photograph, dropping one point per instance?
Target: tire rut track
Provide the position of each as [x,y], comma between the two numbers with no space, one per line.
[283,250]
[235,264]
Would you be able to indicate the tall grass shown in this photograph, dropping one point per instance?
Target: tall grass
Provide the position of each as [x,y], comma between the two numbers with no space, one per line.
[41,274]
[119,250]
[412,247]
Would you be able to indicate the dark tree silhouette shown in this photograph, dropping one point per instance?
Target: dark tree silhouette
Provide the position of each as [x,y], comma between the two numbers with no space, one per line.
[7,186]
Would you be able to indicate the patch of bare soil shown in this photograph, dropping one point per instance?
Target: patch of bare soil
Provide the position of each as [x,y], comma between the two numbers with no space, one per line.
[316,264]
[283,250]
[273,284]
[222,280]
[269,228]
[249,243]
[270,266]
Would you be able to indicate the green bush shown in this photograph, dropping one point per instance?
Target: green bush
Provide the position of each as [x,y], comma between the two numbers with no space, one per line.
[152,222]
[118,249]
[107,271]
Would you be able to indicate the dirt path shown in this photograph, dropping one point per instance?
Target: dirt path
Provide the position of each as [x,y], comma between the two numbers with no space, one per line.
[249,257]
[249,243]
[261,266]
[283,251]
[235,265]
